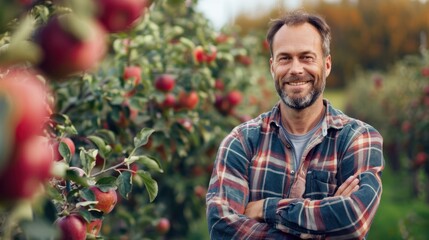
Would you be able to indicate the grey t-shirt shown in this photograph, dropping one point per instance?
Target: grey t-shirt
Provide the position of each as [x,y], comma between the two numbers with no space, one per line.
[299,142]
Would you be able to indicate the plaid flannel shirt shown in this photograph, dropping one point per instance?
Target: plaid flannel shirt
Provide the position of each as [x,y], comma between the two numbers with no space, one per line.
[255,161]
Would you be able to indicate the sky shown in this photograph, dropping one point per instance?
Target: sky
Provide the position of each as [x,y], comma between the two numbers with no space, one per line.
[221,12]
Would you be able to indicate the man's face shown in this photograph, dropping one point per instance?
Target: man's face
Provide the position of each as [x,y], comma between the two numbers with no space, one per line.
[298,66]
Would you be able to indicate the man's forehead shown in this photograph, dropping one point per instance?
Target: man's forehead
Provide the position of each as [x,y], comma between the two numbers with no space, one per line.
[304,36]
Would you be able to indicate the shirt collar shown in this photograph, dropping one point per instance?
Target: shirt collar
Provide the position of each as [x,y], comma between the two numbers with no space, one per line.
[334,118]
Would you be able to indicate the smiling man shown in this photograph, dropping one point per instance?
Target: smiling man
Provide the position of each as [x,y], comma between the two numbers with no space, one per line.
[303,170]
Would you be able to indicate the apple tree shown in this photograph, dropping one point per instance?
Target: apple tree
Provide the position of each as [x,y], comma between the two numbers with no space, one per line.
[396,102]
[62,172]
[138,96]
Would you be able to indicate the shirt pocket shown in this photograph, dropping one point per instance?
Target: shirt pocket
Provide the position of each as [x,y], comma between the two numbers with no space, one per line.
[319,184]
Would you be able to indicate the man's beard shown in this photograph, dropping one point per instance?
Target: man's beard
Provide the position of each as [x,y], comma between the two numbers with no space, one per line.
[300,103]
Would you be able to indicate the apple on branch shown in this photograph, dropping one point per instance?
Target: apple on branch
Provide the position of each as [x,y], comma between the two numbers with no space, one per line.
[133,72]
[106,199]
[70,45]
[119,16]
[187,100]
[72,227]
[165,83]
[56,145]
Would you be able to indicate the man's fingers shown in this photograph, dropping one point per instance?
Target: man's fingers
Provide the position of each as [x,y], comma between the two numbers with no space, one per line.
[348,187]
[354,185]
[343,186]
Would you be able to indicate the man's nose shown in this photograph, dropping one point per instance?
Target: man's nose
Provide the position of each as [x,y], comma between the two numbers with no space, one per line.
[296,67]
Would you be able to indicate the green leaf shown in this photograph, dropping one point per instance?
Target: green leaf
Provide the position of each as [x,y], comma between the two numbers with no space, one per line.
[74,176]
[124,184]
[143,137]
[50,211]
[150,184]
[101,145]
[87,159]
[150,162]
[106,183]
[73,195]
[85,214]
[65,151]
[106,134]
[59,118]
[5,130]
[87,194]
[38,229]
[85,203]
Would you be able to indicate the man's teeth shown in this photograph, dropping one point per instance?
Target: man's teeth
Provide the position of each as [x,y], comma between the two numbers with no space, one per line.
[296,83]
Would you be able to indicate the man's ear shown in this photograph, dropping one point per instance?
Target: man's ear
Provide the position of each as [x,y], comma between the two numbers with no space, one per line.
[271,67]
[328,65]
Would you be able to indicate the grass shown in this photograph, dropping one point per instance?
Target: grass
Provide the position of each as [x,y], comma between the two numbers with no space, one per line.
[399,215]
[336,97]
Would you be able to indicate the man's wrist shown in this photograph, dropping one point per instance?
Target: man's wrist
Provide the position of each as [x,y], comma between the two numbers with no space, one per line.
[270,210]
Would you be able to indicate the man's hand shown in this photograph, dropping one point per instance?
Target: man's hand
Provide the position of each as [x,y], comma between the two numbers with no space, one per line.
[255,210]
[348,187]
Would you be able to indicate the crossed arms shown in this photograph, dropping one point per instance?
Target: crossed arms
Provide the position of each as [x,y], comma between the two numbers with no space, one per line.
[347,214]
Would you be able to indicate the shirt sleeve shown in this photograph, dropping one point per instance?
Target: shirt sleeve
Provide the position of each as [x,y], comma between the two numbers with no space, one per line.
[228,195]
[337,217]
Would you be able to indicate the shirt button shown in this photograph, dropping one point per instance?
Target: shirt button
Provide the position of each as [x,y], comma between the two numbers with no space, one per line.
[292,172]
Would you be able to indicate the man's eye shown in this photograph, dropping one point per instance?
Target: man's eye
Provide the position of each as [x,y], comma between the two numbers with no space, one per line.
[308,58]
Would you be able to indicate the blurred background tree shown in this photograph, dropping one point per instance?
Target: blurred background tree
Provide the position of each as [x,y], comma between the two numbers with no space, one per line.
[366,34]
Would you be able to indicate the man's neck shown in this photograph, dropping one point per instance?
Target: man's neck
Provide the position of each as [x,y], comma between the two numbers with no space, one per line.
[300,122]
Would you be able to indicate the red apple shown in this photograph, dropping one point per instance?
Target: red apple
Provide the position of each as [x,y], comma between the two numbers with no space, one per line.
[426,90]
[94,227]
[72,227]
[425,71]
[222,105]
[199,54]
[219,85]
[165,83]
[128,115]
[106,200]
[200,191]
[378,82]
[56,145]
[211,56]
[163,225]
[27,168]
[406,126]
[134,168]
[187,100]
[222,38]
[118,16]
[26,3]
[197,171]
[420,159]
[234,97]
[99,161]
[169,101]
[186,123]
[65,51]
[245,60]
[133,72]
[265,45]
[26,108]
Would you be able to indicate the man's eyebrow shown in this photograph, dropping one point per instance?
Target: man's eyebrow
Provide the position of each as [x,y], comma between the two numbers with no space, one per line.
[281,54]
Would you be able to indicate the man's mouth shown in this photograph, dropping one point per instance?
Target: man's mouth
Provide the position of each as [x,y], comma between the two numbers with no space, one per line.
[297,83]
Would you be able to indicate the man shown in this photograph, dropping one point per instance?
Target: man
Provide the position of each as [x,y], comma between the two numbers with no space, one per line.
[304,170]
